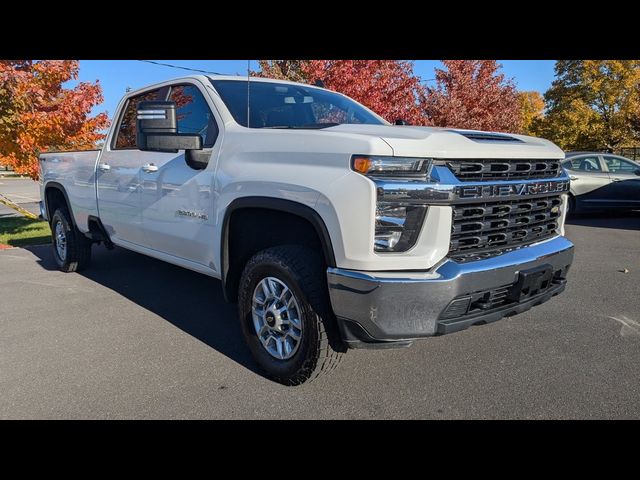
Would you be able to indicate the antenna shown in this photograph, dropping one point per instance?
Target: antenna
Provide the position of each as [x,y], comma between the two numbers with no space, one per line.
[248,93]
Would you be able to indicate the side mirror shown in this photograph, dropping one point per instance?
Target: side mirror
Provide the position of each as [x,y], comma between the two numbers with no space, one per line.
[157,129]
[400,121]
[638,172]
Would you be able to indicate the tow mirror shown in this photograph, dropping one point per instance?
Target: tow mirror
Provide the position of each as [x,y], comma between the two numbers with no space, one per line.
[157,129]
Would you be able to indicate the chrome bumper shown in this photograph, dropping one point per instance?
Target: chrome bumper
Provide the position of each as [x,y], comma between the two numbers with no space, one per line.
[378,309]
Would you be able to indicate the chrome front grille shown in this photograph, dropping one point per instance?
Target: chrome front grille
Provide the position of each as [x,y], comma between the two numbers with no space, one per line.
[498,169]
[481,230]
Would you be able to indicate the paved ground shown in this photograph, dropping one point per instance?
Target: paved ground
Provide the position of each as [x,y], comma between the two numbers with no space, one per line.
[24,192]
[138,338]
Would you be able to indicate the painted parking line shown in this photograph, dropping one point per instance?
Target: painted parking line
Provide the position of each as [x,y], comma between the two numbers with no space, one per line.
[31,199]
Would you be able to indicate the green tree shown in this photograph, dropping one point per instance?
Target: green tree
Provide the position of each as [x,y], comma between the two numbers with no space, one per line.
[592,105]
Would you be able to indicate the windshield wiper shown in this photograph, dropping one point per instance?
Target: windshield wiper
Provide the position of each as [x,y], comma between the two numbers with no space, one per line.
[308,126]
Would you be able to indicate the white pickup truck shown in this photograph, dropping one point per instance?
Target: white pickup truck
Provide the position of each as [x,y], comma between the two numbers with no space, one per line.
[330,227]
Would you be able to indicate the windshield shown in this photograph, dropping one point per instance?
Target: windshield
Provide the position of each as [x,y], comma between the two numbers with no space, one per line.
[279,105]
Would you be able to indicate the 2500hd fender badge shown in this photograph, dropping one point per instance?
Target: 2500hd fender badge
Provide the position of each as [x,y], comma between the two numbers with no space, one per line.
[514,189]
[192,214]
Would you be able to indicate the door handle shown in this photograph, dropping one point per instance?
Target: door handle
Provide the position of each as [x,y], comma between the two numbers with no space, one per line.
[104,167]
[617,179]
[573,178]
[150,168]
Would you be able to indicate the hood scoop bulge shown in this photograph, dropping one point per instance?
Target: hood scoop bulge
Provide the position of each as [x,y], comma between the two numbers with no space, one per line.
[487,137]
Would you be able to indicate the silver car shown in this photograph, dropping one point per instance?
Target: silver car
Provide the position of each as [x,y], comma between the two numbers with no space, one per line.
[602,181]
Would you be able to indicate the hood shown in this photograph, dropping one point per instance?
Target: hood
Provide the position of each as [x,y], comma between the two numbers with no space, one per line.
[436,142]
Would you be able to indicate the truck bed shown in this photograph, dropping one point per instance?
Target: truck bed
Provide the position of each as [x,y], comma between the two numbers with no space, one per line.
[75,171]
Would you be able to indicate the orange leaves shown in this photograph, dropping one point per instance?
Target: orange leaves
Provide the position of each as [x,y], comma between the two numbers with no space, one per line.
[38,114]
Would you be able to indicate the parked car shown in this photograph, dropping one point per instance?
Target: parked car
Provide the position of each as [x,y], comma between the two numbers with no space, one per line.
[601,181]
[329,226]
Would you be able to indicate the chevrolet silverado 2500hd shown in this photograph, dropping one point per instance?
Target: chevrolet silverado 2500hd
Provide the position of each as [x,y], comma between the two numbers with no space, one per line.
[330,227]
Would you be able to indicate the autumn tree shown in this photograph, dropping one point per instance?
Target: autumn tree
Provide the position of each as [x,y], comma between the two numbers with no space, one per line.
[388,87]
[593,105]
[37,113]
[531,109]
[473,94]
[283,70]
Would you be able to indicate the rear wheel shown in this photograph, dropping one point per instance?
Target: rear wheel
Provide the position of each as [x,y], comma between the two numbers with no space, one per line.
[71,249]
[286,316]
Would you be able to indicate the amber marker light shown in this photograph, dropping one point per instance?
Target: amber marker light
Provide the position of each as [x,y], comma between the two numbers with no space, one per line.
[362,164]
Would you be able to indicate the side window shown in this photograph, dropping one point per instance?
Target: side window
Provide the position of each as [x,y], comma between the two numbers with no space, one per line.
[618,165]
[584,164]
[126,138]
[193,113]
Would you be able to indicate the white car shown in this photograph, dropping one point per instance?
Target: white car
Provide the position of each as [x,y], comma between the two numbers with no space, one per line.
[602,181]
[329,226]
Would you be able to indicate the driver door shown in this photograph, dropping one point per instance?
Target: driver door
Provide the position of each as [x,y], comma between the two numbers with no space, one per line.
[625,181]
[177,199]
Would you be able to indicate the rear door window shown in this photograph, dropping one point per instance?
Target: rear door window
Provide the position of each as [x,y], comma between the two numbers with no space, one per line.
[126,137]
[619,165]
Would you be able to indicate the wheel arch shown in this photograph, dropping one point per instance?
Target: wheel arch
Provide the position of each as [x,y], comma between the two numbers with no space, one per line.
[52,192]
[229,274]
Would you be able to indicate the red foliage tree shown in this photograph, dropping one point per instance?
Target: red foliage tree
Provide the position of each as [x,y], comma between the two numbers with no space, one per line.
[473,94]
[388,87]
[37,113]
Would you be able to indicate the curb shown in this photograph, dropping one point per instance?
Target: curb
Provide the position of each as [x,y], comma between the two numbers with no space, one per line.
[11,247]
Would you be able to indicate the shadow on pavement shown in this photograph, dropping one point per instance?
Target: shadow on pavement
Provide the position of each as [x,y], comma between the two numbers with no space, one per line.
[190,301]
[623,221]
[193,302]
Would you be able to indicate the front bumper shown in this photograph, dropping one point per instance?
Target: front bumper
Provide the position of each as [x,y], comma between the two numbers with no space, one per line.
[389,309]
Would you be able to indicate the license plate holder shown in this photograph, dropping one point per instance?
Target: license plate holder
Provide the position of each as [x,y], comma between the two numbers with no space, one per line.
[531,282]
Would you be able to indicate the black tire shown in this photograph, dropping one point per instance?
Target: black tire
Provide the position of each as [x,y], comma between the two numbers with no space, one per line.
[78,247]
[303,271]
[571,210]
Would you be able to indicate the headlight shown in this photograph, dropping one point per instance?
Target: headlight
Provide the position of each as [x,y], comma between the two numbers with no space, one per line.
[396,226]
[379,166]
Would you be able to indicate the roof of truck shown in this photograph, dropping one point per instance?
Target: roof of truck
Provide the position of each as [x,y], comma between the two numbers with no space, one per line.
[240,78]
[243,78]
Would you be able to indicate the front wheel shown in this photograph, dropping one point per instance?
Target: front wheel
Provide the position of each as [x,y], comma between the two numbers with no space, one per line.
[71,249]
[286,317]
[571,208]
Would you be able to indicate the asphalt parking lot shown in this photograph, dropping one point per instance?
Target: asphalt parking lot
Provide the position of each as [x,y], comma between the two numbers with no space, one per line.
[21,191]
[134,337]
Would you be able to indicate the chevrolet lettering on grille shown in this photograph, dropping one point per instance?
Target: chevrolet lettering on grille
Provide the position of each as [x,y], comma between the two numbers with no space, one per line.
[524,189]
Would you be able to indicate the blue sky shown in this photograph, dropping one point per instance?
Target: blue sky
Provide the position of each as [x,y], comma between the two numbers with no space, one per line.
[116,75]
